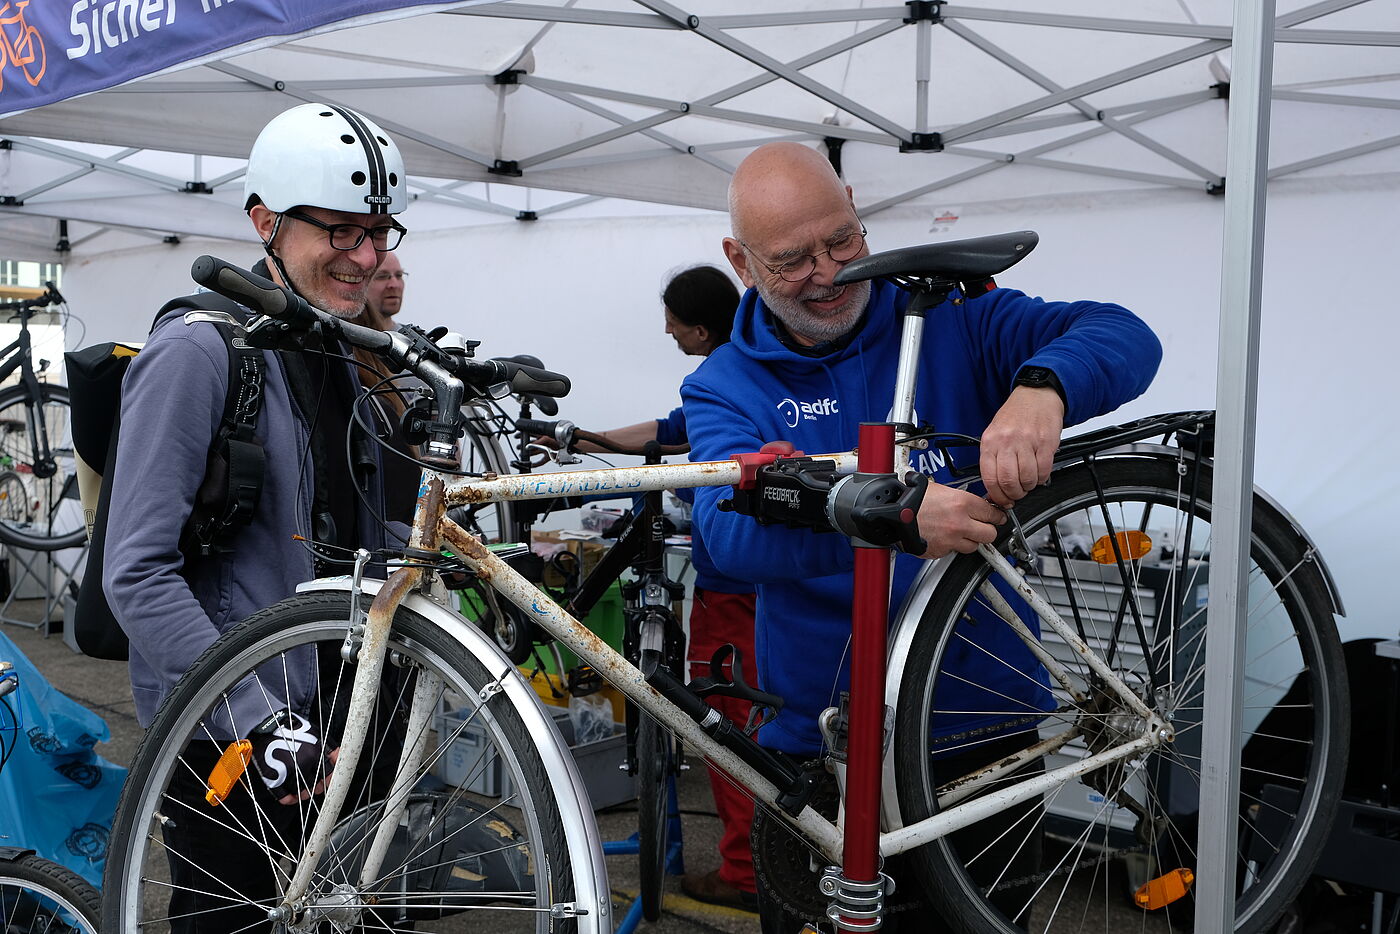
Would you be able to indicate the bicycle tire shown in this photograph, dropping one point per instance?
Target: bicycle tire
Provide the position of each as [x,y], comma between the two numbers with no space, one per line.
[482,454]
[516,838]
[39,896]
[654,758]
[13,508]
[1072,859]
[53,517]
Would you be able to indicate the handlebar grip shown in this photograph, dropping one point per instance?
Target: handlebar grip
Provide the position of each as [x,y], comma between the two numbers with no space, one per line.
[537,427]
[248,288]
[534,380]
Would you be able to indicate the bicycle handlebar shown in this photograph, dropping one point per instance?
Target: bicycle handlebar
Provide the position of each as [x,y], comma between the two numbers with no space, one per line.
[567,434]
[403,348]
[50,296]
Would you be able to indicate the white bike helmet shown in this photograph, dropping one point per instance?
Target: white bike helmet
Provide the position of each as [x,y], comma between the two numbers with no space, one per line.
[324,156]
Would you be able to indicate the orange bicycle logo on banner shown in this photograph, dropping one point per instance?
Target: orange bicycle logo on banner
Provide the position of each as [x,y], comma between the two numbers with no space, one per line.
[20,44]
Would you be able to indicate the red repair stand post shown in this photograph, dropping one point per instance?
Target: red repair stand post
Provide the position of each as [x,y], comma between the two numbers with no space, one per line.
[869,625]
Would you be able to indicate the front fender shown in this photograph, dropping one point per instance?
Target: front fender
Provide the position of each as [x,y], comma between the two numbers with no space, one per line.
[575,808]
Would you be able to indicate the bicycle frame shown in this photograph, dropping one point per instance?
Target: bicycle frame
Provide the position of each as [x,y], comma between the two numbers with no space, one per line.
[432,528]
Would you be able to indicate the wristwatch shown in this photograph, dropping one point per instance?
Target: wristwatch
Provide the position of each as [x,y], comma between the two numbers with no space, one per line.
[1040,377]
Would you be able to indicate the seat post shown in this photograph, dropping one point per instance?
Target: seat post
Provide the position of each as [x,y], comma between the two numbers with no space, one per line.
[927,294]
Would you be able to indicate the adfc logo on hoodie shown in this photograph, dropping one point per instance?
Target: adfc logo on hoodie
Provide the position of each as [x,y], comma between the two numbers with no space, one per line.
[794,412]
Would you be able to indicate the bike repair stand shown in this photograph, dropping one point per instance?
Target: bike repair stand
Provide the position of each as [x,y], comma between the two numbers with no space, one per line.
[675,862]
[55,579]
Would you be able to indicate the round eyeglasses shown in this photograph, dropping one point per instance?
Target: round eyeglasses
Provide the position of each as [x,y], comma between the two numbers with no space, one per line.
[386,276]
[842,250]
[347,237]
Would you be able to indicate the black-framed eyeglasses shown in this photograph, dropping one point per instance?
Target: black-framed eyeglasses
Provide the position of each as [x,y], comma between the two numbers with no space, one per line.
[385,237]
[843,250]
[386,276]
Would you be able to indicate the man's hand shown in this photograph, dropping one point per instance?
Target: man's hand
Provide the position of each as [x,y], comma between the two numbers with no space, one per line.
[290,758]
[956,520]
[1019,445]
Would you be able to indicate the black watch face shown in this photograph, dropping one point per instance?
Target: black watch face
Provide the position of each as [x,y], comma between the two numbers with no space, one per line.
[1033,376]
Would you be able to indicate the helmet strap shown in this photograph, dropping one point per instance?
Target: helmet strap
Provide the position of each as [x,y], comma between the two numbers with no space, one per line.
[277,260]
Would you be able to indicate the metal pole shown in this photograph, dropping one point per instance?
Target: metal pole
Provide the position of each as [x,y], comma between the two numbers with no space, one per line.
[1236,398]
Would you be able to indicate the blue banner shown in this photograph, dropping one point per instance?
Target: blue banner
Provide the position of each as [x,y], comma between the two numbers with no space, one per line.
[51,50]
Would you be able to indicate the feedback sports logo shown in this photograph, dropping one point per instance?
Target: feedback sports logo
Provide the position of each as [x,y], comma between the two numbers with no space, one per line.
[794,411]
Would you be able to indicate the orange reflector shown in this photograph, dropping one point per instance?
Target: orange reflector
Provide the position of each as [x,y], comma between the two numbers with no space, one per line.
[1132,545]
[228,770]
[1163,890]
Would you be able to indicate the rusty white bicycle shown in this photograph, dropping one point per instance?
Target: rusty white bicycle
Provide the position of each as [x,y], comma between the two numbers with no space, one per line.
[1063,798]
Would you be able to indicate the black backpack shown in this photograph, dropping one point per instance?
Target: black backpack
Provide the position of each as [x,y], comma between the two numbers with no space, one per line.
[233,479]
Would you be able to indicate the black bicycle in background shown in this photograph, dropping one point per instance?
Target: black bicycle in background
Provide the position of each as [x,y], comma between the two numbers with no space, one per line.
[39,506]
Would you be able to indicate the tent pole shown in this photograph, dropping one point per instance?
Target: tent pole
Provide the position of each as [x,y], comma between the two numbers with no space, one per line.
[1236,401]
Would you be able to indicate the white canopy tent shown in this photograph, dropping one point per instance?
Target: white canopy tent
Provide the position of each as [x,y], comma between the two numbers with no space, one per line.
[1106,134]
[545,108]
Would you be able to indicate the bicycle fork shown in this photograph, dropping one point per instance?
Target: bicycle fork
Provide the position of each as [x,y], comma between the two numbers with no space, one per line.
[372,650]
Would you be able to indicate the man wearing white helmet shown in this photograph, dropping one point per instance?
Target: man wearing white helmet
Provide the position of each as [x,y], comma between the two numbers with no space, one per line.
[322,186]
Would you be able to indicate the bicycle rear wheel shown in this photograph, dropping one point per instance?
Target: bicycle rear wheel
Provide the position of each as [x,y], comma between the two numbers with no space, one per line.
[51,515]
[38,896]
[481,848]
[1074,860]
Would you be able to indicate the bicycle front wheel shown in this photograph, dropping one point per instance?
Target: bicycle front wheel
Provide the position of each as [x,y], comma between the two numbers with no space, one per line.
[482,454]
[36,443]
[1121,548]
[655,758]
[41,897]
[480,848]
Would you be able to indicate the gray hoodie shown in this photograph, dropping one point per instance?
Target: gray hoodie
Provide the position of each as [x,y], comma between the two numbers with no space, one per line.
[173,608]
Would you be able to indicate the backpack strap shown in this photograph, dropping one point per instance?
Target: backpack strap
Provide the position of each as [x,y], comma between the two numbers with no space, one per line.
[233,479]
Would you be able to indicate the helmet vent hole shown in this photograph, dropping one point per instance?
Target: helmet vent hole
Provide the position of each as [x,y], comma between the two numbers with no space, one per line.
[347,139]
[393,178]
[358,178]
[382,141]
[326,113]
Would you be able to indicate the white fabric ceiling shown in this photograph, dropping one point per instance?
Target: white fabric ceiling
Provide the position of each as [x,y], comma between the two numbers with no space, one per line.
[656,103]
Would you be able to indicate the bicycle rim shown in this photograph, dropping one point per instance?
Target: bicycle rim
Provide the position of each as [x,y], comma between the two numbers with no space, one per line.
[41,897]
[653,801]
[49,516]
[482,454]
[1074,859]
[481,847]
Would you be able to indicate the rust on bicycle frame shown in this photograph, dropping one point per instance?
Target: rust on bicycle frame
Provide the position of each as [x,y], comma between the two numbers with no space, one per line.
[466,544]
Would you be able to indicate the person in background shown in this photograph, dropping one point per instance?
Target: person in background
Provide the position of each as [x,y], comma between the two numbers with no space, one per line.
[385,298]
[383,301]
[699,307]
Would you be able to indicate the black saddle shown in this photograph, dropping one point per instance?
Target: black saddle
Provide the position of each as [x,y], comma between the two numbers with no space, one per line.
[957,261]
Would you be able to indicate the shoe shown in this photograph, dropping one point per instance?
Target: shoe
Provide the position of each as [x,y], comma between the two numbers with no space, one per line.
[708,887]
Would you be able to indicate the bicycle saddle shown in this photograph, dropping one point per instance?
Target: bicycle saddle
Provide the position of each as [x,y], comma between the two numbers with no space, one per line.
[955,261]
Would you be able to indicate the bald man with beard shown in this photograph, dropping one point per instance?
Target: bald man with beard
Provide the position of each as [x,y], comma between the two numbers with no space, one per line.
[810,360]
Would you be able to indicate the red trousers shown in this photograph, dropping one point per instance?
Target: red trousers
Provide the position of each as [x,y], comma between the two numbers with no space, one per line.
[715,619]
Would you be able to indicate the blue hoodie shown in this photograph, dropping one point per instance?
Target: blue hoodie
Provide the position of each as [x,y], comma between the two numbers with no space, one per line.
[671,430]
[755,389]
